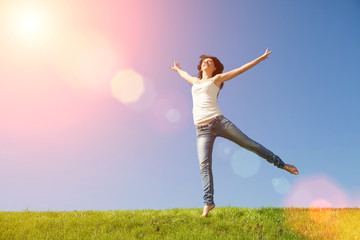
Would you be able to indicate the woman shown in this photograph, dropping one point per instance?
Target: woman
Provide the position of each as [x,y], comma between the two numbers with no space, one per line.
[210,122]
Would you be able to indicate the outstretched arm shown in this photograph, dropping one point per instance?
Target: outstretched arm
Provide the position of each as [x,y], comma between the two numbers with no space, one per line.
[233,73]
[183,73]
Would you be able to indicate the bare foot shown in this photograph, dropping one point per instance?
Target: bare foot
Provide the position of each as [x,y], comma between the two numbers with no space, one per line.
[291,169]
[207,209]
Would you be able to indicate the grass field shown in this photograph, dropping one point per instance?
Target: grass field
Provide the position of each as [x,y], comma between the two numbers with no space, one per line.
[222,223]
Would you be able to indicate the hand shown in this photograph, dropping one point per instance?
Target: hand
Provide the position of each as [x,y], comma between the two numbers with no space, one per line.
[176,66]
[265,55]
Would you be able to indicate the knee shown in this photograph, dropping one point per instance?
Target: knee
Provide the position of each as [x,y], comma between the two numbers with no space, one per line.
[252,145]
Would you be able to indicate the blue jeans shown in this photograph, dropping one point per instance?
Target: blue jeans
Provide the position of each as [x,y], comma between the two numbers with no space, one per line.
[206,134]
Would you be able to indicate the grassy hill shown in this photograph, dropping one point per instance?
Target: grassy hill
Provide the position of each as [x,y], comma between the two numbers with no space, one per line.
[222,223]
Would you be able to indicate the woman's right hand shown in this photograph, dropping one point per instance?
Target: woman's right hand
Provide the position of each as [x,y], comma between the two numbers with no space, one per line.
[176,66]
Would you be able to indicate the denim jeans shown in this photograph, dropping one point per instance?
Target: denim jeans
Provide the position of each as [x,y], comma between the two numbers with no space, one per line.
[206,134]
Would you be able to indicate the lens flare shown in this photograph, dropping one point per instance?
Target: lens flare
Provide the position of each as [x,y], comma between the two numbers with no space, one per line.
[316,187]
[320,210]
[227,150]
[324,215]
[169,113]
[146,100]
[127,86]
[245,163]
[223,149]
[173,115]
[281,185]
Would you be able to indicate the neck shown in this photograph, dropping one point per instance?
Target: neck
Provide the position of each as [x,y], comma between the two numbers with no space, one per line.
[206,75]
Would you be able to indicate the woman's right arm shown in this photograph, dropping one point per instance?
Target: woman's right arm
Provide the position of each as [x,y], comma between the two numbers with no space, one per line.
[183,73]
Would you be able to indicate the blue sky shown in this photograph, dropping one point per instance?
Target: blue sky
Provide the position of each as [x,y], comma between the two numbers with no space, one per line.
[301,103]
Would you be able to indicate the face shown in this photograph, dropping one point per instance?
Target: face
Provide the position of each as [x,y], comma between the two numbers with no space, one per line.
[208,64]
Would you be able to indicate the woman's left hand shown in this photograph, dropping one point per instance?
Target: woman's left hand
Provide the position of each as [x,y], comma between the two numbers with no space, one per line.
[265,55]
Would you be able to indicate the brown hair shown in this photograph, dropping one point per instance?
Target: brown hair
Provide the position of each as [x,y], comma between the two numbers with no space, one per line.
[218,65]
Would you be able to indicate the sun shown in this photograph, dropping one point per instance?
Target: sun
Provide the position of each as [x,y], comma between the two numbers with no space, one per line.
[28,22]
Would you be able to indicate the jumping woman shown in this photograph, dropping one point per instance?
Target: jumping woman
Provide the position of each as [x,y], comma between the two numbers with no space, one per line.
[210,122]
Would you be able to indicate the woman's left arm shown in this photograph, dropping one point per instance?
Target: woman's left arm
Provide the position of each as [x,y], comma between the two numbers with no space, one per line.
[223,77]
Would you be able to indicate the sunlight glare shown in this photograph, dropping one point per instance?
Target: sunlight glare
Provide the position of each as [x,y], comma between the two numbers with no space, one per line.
[28,22]
[85,59]
[320,210]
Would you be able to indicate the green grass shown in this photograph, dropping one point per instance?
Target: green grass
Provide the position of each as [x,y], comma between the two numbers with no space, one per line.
[222,223]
